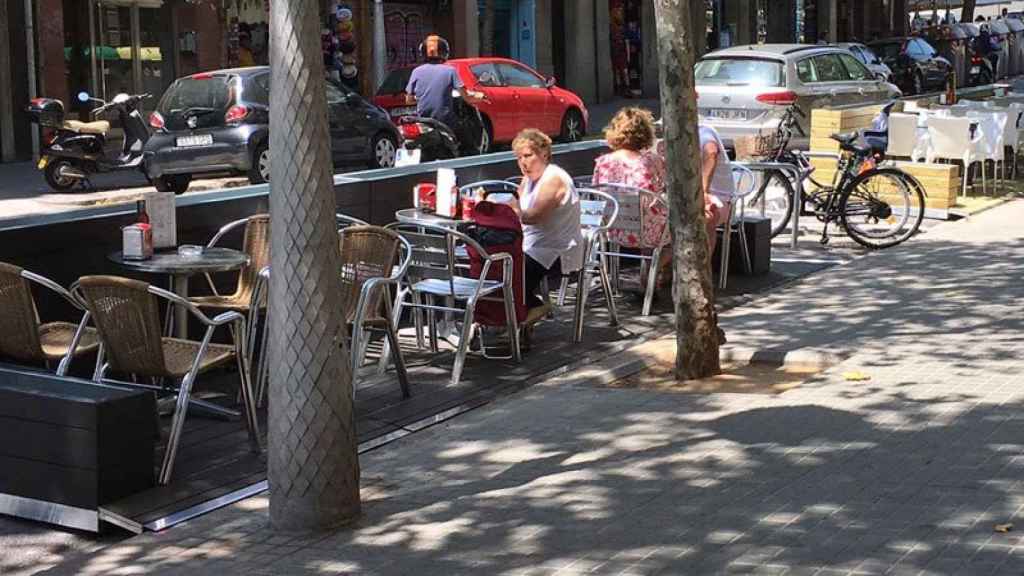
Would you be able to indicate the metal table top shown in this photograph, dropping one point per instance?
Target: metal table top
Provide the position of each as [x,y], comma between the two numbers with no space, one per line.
[170,262]
[420,216]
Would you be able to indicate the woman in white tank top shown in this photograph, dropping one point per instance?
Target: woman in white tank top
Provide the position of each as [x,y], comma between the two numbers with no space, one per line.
[549,208]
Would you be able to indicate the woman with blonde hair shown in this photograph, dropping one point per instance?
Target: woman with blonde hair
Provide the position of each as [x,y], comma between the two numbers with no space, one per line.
[634,162]
[549,209]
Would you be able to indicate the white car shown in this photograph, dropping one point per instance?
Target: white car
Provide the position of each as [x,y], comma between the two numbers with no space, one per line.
[742,90]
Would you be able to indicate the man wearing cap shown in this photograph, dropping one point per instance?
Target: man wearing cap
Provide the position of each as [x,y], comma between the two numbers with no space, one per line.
[430,85]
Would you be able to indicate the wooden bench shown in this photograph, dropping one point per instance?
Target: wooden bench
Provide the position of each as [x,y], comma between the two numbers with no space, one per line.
[67,446]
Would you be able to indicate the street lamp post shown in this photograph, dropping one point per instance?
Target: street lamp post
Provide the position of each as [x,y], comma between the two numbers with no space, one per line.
[312,464]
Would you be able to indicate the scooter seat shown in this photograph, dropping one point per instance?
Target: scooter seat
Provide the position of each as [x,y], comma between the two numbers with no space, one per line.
[99,127]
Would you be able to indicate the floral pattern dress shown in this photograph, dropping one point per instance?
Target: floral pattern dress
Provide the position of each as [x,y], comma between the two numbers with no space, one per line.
[644,171]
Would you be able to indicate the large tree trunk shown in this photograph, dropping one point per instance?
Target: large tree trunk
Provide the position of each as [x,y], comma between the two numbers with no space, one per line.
[692,295]
[312,464]
[967,14]
[487,34]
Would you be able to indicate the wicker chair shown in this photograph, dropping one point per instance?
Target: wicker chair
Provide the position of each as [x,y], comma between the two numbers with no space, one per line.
[368,255]
[24,337]
[255,243]
[126,314]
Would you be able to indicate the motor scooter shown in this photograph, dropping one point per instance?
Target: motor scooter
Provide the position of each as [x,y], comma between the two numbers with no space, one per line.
[980,71]
[77,150]
[437,140]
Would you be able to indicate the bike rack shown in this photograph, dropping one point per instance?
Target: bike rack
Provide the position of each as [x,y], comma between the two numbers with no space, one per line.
[795,173]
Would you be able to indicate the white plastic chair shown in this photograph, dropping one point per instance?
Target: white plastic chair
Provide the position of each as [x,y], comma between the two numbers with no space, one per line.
[950,139]
[902,136]
[992,125]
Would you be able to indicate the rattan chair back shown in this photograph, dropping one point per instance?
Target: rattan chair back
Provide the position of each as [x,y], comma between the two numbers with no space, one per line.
[256,244]
[366,252]
[127,317]
[19,338]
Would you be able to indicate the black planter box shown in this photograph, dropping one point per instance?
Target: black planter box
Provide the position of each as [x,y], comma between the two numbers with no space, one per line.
[67,445]
[759,246]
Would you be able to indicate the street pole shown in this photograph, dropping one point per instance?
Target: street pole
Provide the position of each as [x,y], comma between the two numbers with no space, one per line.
[6,106]
[312,465]
[30,64]
[380,46]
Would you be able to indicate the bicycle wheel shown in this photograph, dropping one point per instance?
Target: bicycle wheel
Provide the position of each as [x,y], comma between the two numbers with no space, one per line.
[882,207]
[773,200]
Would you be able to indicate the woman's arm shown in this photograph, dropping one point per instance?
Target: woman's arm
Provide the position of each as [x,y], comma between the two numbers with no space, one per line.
[550,194]
[708,160]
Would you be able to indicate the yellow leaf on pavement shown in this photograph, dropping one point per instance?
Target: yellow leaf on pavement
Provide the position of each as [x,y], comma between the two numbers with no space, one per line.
[1004,527]
[855,376]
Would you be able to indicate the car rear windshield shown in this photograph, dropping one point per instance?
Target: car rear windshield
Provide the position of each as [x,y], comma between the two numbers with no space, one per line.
[889,50]
[739,72]
[196,92]
[395,82]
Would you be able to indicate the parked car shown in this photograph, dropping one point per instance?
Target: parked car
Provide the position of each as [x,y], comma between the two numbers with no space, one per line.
[217,123]
[743,90]
[916,66]
[868,58]
[518,97]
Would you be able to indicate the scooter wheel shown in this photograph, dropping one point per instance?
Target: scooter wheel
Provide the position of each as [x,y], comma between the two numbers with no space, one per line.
[53,176]
[177,183]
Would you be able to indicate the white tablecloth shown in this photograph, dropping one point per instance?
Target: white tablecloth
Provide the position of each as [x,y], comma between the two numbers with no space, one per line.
[991,123]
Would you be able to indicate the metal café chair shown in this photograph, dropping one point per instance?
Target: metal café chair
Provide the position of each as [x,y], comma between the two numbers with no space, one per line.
[746,184]
[24,338]
[126,314]
[260,292]
[368,256]
[433,274]
[598,213]
[634,205]
[256,244]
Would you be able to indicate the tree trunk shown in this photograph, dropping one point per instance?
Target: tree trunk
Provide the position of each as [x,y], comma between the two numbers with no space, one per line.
[312,464]
[487,34]
[696,329]
[967,14]
[698,19]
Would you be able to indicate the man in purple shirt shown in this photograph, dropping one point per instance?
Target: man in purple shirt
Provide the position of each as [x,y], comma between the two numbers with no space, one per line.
[430,85]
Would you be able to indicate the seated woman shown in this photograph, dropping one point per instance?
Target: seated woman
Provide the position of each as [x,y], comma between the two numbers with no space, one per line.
[633,162]
[549,208]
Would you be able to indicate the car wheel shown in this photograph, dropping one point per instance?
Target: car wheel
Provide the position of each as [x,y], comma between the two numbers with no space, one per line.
[177,183]
[572,126]
[384,150]
[53,176]
[918,83]
[260,171]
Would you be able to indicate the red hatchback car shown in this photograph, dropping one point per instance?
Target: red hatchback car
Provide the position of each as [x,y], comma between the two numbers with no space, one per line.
[518,97]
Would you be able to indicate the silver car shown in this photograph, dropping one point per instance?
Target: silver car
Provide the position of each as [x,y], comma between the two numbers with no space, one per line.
[868,58]
[742,90]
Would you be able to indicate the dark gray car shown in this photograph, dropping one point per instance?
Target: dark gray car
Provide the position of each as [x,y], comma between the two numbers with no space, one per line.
[217,123]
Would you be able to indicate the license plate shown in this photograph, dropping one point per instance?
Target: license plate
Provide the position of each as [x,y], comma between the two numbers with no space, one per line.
[403,111]
[43,162]
[975,69]
[725,113]
[196,140]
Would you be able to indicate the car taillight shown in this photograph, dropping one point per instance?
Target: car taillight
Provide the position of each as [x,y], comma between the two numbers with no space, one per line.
[37,101]
[235,114]
[975,60]
[411,131]
[202,76]
[156,121]
[777,98]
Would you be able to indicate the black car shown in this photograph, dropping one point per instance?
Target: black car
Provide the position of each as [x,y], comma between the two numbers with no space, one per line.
[916,66]
[217,123]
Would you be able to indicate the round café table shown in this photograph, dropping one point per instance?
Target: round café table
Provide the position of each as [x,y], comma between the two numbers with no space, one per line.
[421,216]
[180,268]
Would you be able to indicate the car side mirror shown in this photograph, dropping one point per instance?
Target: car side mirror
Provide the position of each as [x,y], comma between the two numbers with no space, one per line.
[549,82]
[83,96]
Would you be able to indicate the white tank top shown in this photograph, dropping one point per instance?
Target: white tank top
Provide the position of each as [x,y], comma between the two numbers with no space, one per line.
[559,235]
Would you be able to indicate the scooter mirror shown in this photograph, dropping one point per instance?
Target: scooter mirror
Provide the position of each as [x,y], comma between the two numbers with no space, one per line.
[83,96]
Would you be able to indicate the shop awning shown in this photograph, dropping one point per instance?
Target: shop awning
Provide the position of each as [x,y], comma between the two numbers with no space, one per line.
[102,52]
[149,53]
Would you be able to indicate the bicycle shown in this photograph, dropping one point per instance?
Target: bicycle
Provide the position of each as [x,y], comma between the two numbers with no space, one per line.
[877,205]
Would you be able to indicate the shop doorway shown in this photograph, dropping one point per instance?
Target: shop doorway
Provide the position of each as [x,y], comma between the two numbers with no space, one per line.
[125,52]
[625,17]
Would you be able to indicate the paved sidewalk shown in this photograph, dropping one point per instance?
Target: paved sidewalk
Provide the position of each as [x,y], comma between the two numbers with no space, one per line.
[907,473]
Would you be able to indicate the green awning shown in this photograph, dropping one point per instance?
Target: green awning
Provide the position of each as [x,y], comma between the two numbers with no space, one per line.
[102,52]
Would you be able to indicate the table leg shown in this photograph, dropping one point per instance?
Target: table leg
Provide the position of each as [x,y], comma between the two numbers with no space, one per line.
[180,312]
